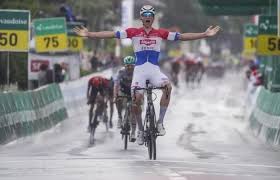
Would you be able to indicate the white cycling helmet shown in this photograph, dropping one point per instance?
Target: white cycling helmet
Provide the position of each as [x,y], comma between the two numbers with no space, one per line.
[147,8]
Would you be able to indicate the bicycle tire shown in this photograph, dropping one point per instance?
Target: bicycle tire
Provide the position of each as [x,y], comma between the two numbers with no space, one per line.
[93,128]
[154,147]
[152,134]
[91,136]
[150,148]
[106,124]
[126,129]
[125,141]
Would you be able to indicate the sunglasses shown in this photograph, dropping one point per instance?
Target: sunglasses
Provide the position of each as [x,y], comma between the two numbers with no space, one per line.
[147,14]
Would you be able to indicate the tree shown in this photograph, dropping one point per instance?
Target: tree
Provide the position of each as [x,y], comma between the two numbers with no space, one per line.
[100,14]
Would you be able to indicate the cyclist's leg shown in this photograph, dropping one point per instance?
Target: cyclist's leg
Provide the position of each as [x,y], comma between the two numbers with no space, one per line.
[92,100]
[139,80]
[137,109]
[111,102]
[119,106]
[137,115]
[111,111]
[159,79]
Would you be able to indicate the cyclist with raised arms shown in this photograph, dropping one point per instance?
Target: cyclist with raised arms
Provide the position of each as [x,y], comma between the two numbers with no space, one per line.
[146,43]
[122,87]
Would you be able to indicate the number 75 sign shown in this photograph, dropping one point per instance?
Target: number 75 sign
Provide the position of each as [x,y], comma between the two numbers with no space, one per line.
[50,35]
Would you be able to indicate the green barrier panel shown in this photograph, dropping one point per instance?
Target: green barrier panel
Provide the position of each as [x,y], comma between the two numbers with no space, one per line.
[3,121]
[265,119]
[26,116]
[35,106]
[275,78]
[25,113]
[17,117]
[32,100]
[9,110]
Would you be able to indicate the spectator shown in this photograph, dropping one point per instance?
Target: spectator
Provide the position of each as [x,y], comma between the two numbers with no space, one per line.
[94,63]
[58,76]
[65,71]
[67,12]
[42,76]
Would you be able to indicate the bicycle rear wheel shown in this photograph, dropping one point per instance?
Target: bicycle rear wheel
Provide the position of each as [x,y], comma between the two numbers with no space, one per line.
[126,129]
[125,141]
[91,136]
[93,127]
[150,148]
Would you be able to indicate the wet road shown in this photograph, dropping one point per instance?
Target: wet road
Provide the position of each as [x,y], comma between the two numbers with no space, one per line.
[207,138]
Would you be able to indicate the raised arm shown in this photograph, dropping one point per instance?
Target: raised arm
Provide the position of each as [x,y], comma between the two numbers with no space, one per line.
[211,31]
[83,31]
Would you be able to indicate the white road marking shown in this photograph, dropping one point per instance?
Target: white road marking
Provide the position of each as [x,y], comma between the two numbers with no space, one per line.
[178,178]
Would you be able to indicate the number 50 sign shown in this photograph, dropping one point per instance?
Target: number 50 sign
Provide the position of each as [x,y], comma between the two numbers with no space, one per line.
[268,42]
[50,35]
[14,30]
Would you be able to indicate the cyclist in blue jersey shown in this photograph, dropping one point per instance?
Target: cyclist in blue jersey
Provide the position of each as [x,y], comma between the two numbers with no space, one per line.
[146,42]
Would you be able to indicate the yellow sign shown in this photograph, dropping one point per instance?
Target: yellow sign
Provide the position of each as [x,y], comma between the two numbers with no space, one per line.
[75,43]
[14,40]
[268,45]
[54,42]
[250,44]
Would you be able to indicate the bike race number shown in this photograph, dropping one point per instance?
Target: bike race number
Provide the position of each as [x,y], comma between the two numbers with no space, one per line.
[50,35]
[14,30]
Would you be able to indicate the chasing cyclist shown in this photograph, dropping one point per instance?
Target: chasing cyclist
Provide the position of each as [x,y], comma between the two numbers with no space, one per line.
[99,87]
[146,43]
[122,87]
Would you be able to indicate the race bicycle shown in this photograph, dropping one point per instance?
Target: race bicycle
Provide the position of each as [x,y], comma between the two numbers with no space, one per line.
[100,114]
[127,121]
[150,130]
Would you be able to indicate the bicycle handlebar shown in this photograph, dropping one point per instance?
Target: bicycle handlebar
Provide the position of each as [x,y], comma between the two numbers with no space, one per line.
[150,88]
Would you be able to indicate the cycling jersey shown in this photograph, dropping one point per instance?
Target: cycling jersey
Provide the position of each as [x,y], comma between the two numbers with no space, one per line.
[124,80]
[99,82]
[147,45]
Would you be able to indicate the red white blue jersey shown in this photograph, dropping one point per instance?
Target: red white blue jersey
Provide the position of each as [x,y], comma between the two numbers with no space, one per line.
[147,45]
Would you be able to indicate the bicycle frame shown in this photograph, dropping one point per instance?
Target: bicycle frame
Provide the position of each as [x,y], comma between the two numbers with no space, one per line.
[150,131]
[99,110]
[126,126]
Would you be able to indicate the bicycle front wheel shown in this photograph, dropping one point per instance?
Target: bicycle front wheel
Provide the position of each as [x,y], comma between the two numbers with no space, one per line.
[152,149]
